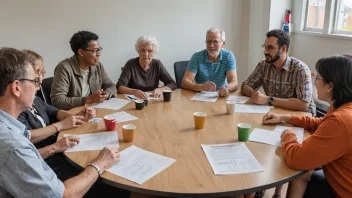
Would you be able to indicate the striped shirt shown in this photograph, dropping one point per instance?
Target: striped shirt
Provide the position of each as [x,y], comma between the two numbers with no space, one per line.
[208,71]
[292,81]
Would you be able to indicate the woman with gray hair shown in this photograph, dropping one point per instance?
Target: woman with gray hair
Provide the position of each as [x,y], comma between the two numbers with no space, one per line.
[143,73]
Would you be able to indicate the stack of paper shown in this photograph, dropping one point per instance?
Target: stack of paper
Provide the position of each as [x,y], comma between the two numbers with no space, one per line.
[95,141]
[206,96]
[113,103]
[244,108]
[238,99]
[121,116]
[138,165]
[274,137]
[234,158]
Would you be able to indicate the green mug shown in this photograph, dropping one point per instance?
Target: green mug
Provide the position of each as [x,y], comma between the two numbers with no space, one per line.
[243,131]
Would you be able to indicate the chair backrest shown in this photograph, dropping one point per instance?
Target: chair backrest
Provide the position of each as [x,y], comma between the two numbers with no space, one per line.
[46,89]
[180,69]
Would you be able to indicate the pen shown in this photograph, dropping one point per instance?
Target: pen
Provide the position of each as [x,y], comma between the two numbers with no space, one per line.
[130,98]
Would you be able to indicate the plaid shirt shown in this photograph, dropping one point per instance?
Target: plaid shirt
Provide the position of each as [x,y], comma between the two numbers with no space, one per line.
[292,81]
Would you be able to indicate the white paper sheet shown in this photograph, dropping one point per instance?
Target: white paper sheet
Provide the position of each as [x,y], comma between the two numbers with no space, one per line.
[149,95]
[244,108]
[138,165]
[297,130]
[274,137]
[121,116]
[206,96]
[238,99]
[95,141]
[266,137]
[233,158]
[113,103]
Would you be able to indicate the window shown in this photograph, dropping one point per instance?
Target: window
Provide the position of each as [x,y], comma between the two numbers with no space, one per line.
[328,16]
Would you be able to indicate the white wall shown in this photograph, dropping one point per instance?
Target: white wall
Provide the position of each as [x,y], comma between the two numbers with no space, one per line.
[180,27]
[309,48]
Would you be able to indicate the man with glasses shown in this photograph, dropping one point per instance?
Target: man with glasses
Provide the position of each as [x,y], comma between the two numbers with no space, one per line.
[210,68]
[286,80]
[23,171]
[81,79]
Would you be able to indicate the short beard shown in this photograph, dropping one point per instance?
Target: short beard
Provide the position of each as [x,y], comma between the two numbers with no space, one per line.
[273,60]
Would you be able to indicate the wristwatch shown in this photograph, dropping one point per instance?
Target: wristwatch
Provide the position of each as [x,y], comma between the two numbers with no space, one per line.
[96,168]
[270,101]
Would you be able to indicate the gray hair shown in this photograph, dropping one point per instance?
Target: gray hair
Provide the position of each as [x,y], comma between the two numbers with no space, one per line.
[216,30]
[147,39]
[13,66]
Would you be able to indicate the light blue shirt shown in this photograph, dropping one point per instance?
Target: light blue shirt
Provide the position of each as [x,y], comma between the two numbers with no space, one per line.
[208,71]
[23,172]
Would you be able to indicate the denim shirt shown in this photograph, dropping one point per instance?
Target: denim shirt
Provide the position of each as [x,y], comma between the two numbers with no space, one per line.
[23,172]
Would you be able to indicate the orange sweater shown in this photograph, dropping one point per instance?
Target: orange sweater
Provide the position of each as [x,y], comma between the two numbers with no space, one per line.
[329,146]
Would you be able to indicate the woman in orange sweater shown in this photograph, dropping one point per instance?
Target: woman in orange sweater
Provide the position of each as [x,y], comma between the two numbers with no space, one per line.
[330,145]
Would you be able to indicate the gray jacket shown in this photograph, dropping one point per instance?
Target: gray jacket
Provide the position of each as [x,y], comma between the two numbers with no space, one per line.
[66,90]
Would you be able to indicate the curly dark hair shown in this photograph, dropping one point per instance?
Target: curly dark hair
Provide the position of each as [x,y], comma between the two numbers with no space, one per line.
[337,70]
[81,39]
[13,66]
[283,38]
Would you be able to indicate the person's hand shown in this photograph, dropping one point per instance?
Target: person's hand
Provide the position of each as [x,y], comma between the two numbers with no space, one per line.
[157,93]
[70,122]
[88,113]
[259,98]
[209,86]
[107,158]
[140,94]
[223,91]
[286,132]
[97,97]
[271,118]
[105,95]
[64,143]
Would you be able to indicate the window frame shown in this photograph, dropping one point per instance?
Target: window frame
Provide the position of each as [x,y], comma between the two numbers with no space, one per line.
[330,20]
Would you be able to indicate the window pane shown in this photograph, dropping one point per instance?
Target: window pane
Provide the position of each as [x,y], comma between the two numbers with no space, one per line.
[315,14]
[344,15]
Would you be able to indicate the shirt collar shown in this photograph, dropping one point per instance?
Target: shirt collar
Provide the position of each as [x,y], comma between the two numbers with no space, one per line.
[207,58]
[287,65]
[12,123]
[76,68]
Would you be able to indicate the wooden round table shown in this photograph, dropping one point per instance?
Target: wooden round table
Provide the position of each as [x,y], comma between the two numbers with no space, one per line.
[167,128]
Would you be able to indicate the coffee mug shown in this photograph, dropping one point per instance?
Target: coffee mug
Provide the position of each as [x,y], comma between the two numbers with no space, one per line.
[167,95]
[199,119]
[139,104]
[128,131]
[110,123]
[230,107]
[243,131]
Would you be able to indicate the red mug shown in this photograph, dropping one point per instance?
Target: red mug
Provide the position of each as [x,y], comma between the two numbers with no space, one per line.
[110,123]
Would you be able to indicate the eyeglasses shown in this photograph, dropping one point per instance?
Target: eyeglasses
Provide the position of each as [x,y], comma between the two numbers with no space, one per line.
[269,47]
[36,81]
[317,78]
[215,43]
[95,51]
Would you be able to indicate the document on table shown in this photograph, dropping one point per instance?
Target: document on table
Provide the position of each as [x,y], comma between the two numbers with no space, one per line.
[274,137]
[238,99]
[244,108]
[233,158]
[121,116]
[95,141]
[138,165]
[113,103]
[297,130]
[149,95]
[206,96]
